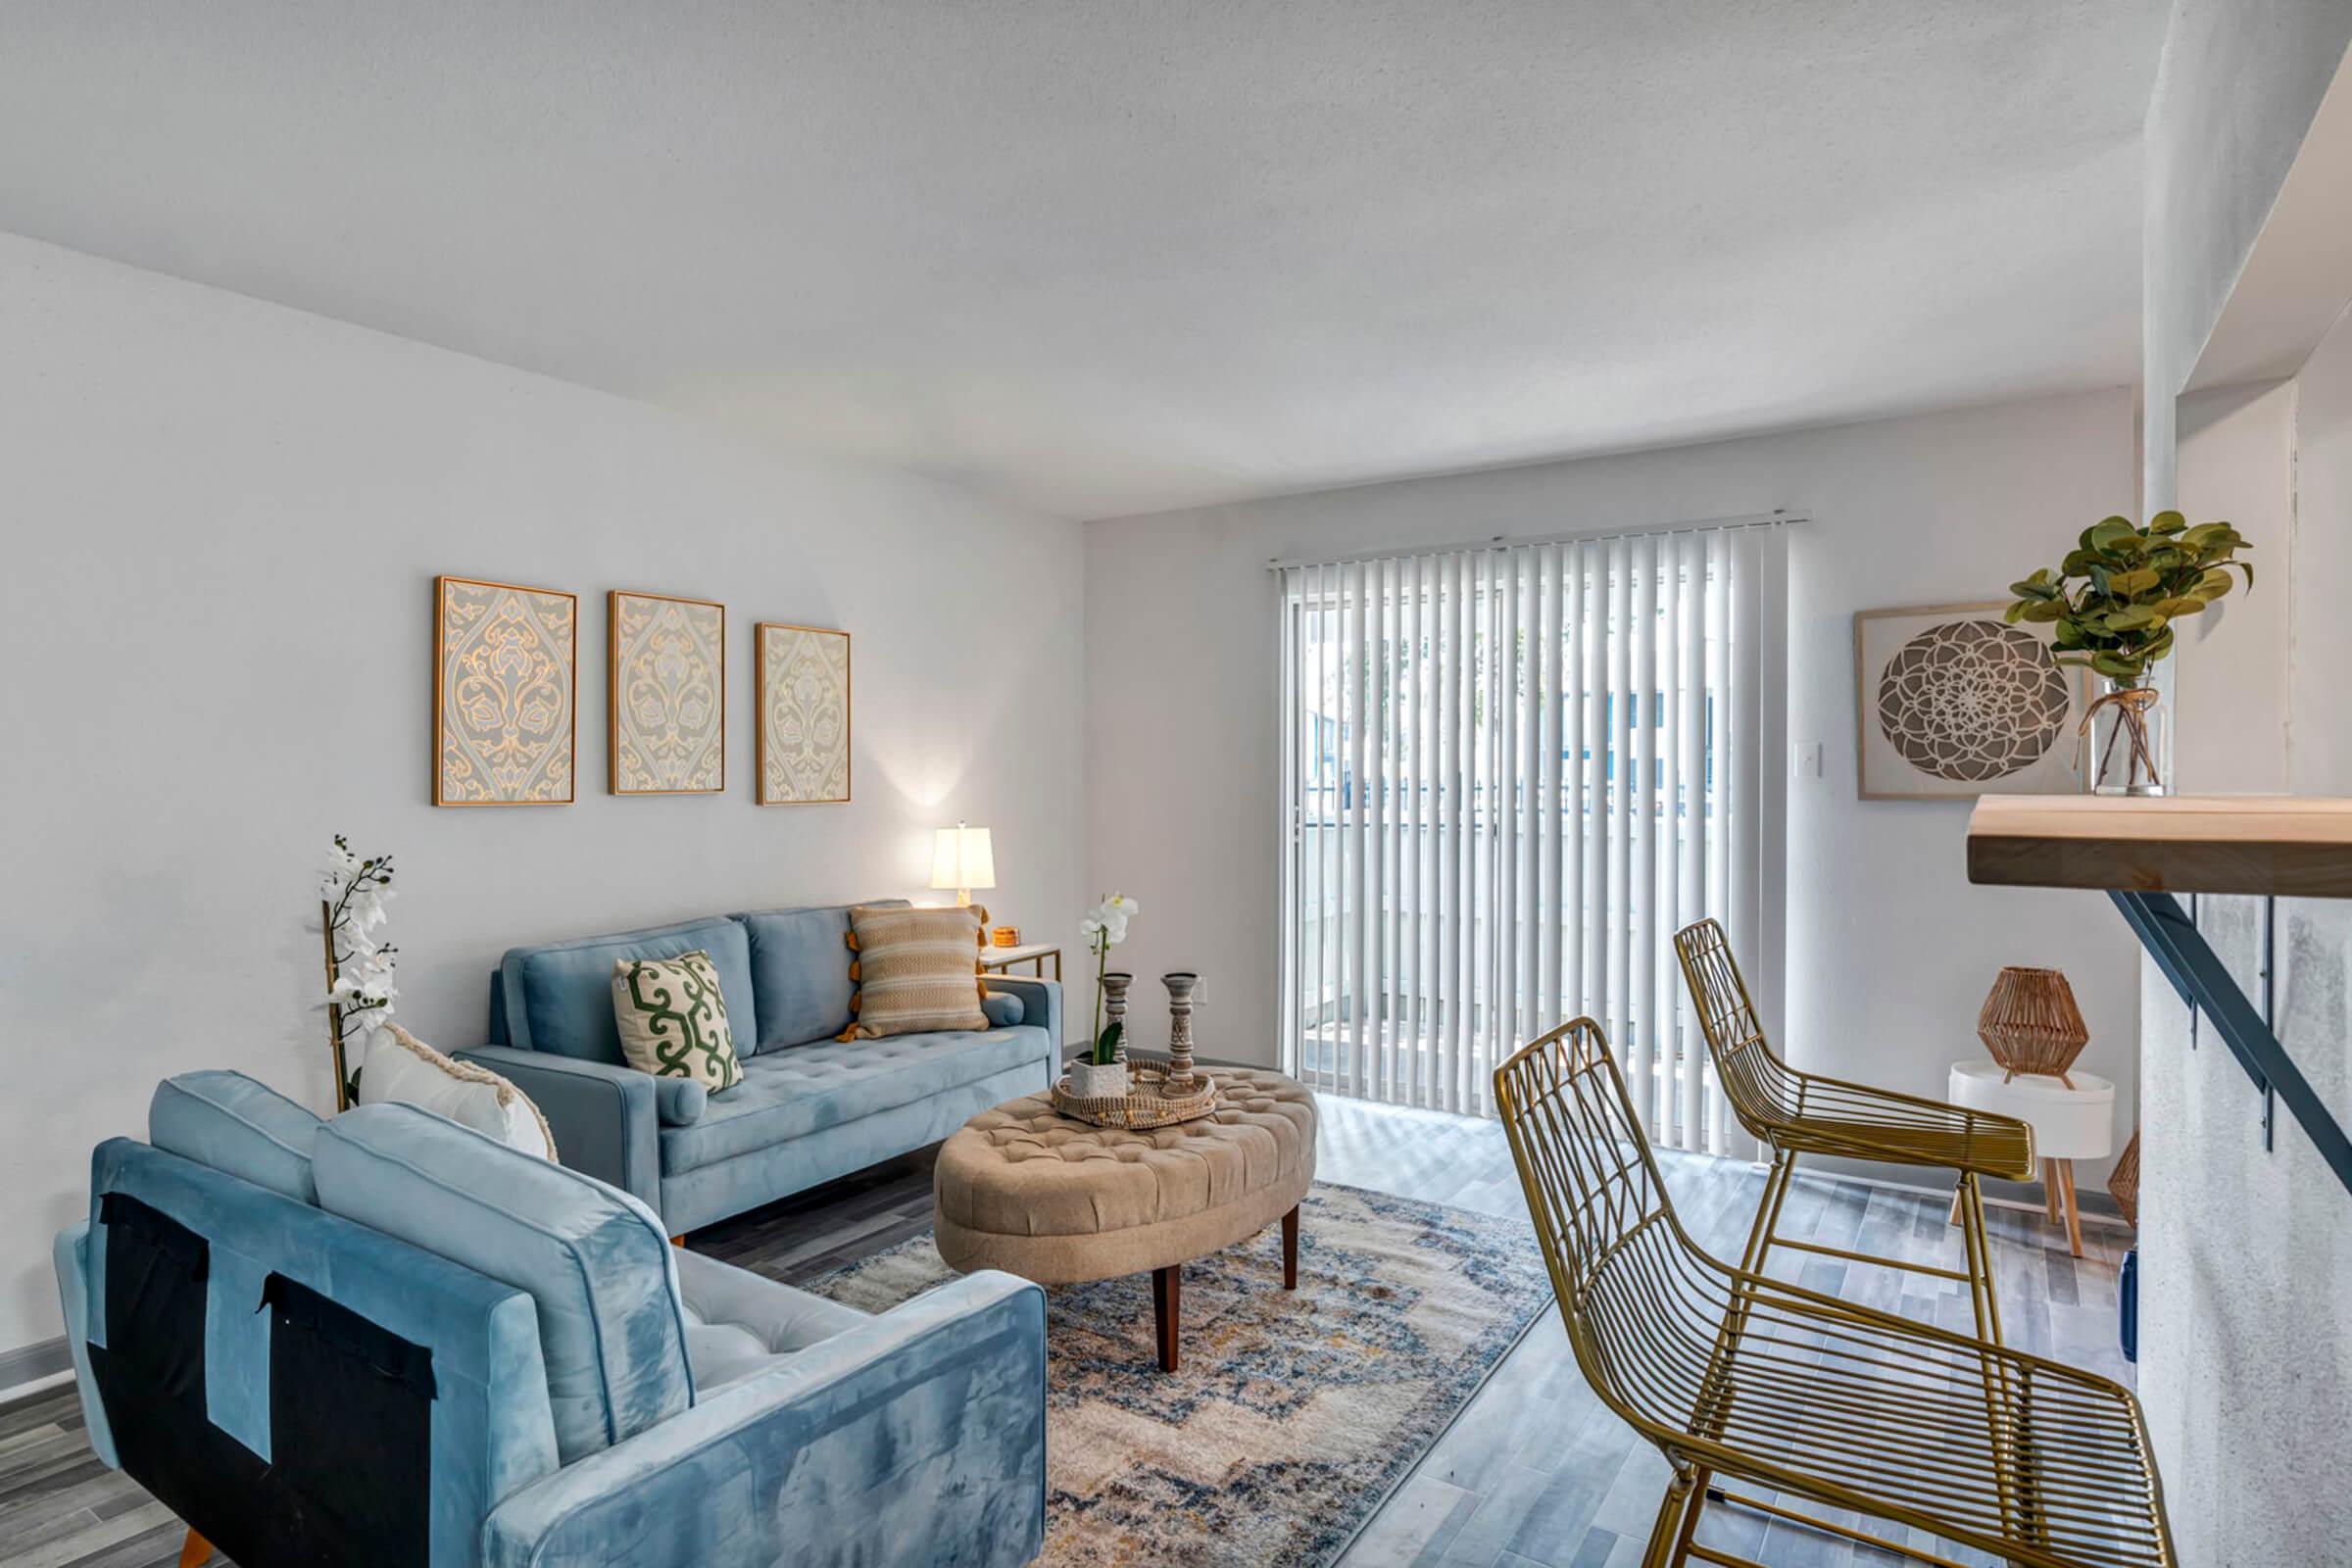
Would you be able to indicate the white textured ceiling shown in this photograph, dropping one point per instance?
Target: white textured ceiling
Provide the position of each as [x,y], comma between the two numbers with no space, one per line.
[1107,257]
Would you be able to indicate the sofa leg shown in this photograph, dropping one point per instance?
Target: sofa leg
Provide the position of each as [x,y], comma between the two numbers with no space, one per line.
[1289,1249]
[677,1241]
[195,1551]
[1167,1300]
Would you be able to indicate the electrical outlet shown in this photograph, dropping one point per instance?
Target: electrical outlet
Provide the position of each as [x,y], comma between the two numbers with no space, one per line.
[1806,760]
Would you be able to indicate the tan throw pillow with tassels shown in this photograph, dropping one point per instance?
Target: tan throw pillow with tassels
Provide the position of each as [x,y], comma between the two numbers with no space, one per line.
[916,970]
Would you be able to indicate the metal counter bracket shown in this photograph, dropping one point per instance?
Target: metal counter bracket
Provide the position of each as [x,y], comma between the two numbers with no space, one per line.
[2205,983]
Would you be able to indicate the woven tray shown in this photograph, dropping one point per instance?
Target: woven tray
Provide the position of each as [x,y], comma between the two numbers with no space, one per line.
[1144,1106]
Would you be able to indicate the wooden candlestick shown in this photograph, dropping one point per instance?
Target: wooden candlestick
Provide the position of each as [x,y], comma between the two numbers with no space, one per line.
[1114,1008]
[1180,1029]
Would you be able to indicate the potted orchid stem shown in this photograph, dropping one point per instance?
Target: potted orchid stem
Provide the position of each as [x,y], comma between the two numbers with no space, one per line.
[1102,1073]
[353,891]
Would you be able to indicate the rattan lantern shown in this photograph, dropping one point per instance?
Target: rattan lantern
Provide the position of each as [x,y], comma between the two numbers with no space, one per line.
[2123,1183]
[2031,1023]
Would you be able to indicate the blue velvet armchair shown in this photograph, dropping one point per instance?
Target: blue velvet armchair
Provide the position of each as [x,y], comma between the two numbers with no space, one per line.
[388,1340]
[811,1107]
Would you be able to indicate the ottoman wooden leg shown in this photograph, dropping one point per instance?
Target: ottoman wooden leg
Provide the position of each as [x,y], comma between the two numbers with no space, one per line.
[1167,1300]
[1289,1249]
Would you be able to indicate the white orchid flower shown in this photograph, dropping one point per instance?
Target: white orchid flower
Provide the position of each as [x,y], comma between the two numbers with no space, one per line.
[1105,927]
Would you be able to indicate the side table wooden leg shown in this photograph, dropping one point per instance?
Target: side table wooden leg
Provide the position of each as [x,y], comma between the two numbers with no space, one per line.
[1166,1310]
[1289,1249]
[2053,1203]
[195,1551]
[2074,1207]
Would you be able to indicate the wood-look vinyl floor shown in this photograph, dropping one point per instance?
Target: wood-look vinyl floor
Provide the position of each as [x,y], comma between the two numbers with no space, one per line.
[1535,1474]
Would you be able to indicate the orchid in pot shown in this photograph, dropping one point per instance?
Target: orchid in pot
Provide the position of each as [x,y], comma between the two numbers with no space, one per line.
[1103,1072]
[353,891]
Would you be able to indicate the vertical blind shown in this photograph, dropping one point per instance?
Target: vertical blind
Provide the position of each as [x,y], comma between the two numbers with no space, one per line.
[1509,774]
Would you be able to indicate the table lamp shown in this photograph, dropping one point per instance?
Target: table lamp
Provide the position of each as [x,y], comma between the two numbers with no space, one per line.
[961,858]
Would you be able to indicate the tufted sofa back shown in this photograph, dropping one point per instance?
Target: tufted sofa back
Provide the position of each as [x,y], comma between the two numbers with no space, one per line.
[800,971]
[785,974]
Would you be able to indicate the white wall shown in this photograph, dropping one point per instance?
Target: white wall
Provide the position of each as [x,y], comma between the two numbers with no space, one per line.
[2228,671]
[2235,90]
[2246,1252]
[222,521]
[2320,710]
[1890,950]
[2245,1364]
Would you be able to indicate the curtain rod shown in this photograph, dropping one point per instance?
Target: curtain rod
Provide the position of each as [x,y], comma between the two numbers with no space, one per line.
[1776,519]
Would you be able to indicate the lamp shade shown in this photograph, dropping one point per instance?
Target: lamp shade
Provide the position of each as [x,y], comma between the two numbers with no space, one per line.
[2031,1023]
[961,858]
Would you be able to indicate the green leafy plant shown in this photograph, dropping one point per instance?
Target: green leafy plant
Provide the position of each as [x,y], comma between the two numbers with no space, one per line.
[2113,601]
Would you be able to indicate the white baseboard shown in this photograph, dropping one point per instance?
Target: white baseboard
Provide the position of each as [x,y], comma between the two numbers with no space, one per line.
[32,1368]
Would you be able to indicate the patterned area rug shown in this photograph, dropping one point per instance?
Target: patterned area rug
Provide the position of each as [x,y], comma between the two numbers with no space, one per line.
[1294,1414]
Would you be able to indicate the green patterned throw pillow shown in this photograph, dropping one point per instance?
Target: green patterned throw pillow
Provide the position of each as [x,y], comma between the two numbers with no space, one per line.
[673,1019]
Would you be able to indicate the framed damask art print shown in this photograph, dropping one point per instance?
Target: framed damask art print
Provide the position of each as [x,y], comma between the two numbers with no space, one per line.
[1952,703]
[668,704]
[803,713]
[505,676]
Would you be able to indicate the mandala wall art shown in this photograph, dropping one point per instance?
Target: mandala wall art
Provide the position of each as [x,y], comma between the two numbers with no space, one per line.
[1953,703]
[506,673]
[669,697]
[804,714]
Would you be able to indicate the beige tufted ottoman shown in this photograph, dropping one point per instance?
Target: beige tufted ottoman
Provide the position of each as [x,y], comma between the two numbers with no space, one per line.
[1031,1192]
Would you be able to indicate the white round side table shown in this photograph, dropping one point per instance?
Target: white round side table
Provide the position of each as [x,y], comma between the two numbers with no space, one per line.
[2069,1124]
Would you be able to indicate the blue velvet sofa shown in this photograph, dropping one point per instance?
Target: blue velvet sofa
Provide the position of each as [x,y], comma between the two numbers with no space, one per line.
[386,1339]
[811,1107]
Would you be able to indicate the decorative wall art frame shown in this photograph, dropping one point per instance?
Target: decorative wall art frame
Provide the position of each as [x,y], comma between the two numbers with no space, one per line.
[667,699]
[1952,703]
[506,686]
[803,713]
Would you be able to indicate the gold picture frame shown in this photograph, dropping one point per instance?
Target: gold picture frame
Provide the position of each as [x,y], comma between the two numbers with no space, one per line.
[803,713]
[1928,750]
[676,763]
[505,730]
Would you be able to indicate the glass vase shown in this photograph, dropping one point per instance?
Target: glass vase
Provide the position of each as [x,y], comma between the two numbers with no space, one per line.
[2128,739]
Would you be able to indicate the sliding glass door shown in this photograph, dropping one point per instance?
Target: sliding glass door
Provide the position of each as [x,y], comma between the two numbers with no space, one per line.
[1509,775]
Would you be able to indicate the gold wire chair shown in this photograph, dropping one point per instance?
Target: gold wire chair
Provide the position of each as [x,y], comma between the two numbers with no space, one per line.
[1802,1114]
[1732,1374]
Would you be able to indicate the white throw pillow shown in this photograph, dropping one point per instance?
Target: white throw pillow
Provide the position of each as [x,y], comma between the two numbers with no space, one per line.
[403,1067]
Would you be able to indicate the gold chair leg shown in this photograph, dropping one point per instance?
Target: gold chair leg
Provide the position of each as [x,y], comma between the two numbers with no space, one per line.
[1988,1329]
[1768,1212]
[1980,1260]
[1667,1544]
[1690,1530]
